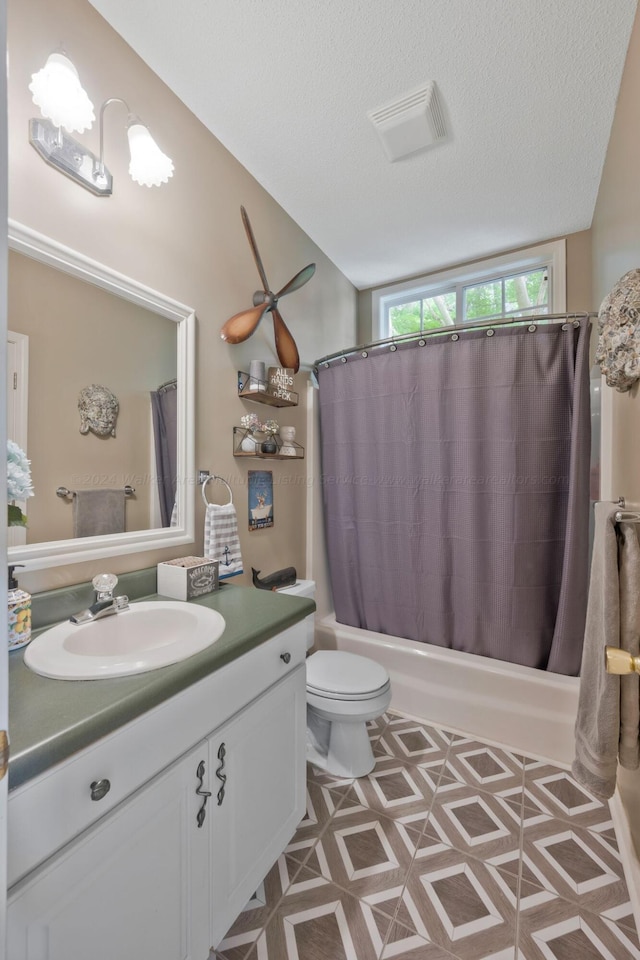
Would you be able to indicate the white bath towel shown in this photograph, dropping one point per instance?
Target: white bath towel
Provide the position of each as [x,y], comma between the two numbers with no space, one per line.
[608,713]
[221,540]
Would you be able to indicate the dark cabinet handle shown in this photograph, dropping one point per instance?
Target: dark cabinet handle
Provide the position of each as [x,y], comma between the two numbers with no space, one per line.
[222,752]
[99,789]
[201,793]
[286,657]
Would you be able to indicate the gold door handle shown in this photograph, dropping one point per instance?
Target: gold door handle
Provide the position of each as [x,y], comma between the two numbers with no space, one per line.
[620,661]
[4,753]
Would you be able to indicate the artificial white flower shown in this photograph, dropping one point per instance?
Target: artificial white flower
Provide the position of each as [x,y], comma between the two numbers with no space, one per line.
[251,422]
[18,482]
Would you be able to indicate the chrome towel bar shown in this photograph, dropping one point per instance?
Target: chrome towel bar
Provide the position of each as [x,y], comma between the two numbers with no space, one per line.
[623,516]
[65,494]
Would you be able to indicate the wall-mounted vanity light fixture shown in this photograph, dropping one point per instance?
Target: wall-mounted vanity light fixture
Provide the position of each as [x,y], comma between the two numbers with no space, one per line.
[66,107]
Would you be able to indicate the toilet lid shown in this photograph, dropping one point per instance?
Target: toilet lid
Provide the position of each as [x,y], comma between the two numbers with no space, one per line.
[333,672]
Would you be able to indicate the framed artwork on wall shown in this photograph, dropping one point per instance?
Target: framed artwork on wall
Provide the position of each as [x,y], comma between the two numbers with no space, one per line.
[260,499]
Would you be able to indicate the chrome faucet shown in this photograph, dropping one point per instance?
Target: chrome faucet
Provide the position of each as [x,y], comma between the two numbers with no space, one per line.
[105,603]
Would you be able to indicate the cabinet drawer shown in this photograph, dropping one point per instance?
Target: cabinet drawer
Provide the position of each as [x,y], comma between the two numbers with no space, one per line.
[47,812]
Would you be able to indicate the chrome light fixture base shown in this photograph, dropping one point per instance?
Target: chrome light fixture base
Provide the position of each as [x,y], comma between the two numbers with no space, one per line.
[70,157]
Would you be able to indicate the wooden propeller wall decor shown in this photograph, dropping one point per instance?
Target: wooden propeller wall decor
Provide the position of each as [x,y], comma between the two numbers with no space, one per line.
[242,325]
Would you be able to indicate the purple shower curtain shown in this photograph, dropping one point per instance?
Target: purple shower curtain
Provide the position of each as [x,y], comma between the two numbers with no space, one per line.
[456,491]
[164,408]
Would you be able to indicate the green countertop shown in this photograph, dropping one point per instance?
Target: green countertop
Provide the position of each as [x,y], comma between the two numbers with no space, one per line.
[49,720]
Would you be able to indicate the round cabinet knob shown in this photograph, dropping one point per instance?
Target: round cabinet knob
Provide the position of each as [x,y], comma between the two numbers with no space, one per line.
[286,657]
[99,789]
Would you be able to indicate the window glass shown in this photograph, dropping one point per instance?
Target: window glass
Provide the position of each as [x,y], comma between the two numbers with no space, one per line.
[405,318]
[525,291]
[483,301]
[439,311]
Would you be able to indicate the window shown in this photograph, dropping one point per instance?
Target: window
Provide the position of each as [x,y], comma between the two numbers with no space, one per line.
[530,282]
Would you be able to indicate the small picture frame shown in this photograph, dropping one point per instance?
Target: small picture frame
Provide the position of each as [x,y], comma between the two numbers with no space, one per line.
[260,499]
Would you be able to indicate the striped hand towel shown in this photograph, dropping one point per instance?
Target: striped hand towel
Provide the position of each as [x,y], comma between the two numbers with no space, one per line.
[221,540]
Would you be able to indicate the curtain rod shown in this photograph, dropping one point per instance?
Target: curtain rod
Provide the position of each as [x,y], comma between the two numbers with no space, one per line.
[453,328]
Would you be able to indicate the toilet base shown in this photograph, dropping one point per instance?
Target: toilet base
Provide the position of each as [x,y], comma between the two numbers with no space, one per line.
[341,748]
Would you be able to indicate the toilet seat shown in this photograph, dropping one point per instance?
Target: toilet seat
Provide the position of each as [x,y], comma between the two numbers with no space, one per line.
[337,675]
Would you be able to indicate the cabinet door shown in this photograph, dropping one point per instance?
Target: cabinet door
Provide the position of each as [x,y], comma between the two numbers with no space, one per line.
[135,885]
[257,808]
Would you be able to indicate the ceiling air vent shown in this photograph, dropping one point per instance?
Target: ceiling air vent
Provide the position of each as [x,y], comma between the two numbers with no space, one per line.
[411,123]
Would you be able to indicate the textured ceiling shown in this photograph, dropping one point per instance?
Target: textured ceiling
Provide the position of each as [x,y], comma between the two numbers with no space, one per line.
[528,89]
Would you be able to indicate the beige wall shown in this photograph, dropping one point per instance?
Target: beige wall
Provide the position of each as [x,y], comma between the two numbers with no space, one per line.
[578,254]
[616,249]
[81,335]
[185,240]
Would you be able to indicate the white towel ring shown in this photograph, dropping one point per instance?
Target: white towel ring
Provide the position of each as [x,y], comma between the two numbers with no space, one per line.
[213,476]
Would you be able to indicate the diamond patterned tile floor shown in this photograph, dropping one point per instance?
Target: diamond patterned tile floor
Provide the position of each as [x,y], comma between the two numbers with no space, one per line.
[450,849]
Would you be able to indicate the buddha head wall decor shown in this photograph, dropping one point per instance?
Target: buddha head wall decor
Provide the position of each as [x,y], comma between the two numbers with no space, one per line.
[98,408]
[618,351]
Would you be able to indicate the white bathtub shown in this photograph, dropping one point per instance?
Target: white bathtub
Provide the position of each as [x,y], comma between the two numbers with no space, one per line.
[524,709]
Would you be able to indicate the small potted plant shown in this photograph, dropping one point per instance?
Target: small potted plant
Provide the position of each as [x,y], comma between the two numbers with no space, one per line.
[270,428]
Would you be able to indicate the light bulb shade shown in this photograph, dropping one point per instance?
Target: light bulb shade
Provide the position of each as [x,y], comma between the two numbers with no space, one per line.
[58,92]
[149,166]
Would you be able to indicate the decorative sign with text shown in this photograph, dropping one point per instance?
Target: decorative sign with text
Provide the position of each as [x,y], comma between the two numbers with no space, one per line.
[280,382]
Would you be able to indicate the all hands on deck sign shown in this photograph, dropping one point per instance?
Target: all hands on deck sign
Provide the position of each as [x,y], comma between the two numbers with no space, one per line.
[260,499]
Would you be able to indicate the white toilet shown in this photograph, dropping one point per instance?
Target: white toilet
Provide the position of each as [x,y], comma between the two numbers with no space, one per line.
[344,691]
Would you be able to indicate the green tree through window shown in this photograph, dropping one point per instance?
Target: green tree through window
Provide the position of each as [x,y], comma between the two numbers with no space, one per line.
[508,296]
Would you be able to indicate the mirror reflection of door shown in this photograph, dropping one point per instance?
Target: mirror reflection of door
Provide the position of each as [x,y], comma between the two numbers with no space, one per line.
[17,410]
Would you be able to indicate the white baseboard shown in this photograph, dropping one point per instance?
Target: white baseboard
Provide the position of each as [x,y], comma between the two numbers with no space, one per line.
[630,862]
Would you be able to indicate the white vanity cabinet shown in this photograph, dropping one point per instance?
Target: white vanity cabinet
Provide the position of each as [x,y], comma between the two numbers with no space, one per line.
[257,808]
[153,877]
[134,886]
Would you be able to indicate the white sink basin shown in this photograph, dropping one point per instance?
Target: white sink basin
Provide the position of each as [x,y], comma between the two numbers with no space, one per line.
[144,637]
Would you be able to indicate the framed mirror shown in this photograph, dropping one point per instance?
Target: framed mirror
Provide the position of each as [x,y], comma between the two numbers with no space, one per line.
[80,330]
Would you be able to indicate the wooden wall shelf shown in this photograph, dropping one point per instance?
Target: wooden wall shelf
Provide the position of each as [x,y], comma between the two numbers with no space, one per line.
[240,434]
[249,388]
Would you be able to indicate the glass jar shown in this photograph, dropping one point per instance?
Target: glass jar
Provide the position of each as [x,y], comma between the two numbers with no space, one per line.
[269,445]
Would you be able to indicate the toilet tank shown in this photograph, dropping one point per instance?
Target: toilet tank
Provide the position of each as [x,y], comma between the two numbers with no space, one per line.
[304,588]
